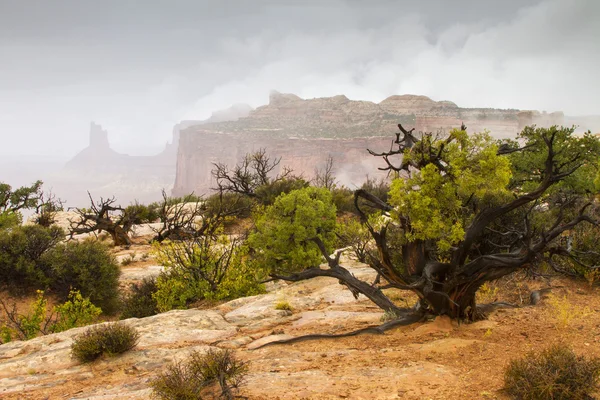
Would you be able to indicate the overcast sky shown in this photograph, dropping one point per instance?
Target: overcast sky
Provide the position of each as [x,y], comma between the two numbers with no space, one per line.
[138,67]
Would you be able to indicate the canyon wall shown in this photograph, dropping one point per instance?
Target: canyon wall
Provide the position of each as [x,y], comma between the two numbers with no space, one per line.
[305,132]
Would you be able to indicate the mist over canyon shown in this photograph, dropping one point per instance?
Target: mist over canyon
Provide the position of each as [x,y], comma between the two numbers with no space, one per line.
[303,133]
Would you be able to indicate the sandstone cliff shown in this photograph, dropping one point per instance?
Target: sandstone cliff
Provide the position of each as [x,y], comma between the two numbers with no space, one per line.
[105,172]
[305,132]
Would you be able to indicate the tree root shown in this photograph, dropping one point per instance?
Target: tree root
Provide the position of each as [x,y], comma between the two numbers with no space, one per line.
[377,330]
[534,298]
[409,318]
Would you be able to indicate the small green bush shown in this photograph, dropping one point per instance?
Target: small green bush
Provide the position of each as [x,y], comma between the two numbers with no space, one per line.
[283,241]
[556,373]
[283,306]
[139,303]
[142,214]
[217,371]
[76,311]
[109,339]
[22,249]
[89,267]
[32,257]
[351,233]
[238,206]
[266,194]
[343,198]
[377,187]
[206,268]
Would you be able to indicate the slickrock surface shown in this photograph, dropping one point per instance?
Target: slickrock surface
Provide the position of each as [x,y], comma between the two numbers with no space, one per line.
[431,360]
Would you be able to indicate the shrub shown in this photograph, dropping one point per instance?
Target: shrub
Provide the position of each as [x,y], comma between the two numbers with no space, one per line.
[563,312]
[354,234]
[271,191]
[217,371]
[32,257]
[286,230]
[21,251]
[89,267]
[12,201]
[379,188]
[76,311]
[141,214]
[130,259]
[283,305]
[25,326]
[343,198]
[234,204]
[139,303]
[487,293]
[10,219]
[212,268]
[556,373]
[109,339]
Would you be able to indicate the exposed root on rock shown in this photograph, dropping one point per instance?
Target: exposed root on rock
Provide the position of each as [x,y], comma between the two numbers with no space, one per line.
[376,330]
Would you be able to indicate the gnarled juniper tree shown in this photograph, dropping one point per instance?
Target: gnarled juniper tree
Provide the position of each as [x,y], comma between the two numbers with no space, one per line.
[462,210]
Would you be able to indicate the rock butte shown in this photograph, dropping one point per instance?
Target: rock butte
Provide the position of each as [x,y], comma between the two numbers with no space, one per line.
[305,132]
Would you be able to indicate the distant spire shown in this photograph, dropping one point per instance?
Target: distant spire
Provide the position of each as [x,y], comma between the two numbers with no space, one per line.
[98,136]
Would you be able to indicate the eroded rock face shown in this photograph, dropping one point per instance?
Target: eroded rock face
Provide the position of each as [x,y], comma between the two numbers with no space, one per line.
[305,132]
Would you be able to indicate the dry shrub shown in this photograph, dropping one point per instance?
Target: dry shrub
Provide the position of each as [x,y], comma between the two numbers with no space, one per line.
[283,305]
[214,373]
[564,313]
[109,339]
[139,303]
[556,373]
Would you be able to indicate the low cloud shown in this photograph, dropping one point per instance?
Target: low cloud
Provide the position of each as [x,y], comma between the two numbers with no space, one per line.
[152,68]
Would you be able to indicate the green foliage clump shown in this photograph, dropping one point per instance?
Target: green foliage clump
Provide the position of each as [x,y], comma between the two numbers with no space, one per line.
[108,339]
[22,253]
[28,326]
[206,268]
[351,233]
[556,373]
[435,211]
[89,267]
[141,213]
[76,311]
[218,372]
[343,199]
[283,306]
[285,231]
[12,201]
[10,219]
[139,303]
[33,257]
[377,187]
[269,192]
[237,205]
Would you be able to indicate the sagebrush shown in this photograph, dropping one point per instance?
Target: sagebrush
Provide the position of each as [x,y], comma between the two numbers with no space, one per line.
[108,339]
[218,372]
[556,373]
